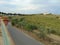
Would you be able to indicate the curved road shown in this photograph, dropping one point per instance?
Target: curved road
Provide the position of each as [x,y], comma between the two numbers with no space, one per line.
[20,38]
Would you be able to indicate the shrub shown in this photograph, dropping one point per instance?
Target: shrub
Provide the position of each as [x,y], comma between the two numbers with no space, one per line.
[42,32]
[10,17]
[30,27]
[21,19]
[57,17]
[53,31]
[14,21]
[21,24]
[48,30]
[43,35]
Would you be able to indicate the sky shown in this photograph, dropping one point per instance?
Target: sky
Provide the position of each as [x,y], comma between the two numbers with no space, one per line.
[30,6]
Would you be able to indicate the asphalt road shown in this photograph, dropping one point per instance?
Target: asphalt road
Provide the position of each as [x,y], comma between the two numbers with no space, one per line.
[20,38]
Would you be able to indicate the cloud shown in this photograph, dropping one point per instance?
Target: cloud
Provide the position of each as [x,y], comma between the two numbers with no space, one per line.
[29,5]
[29,8]
[2,2]
[20,2]
[54,1]
[25,5]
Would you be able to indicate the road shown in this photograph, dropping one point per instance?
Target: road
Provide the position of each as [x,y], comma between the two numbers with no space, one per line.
[20,38]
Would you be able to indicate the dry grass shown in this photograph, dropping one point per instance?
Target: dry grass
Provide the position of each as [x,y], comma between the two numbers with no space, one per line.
[1,40]
[54,37]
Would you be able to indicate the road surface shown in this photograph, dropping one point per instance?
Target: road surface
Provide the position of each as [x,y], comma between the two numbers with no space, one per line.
[20,38]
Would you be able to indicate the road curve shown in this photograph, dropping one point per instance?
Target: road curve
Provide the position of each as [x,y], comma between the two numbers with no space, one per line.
[20,38]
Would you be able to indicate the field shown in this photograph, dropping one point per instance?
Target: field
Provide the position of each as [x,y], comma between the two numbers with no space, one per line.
[41,25]
[47,22]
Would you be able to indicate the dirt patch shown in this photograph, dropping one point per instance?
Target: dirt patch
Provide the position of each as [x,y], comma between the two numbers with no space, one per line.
[1,40]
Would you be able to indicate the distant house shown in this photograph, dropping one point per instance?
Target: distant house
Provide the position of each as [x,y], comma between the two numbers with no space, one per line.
[46,13]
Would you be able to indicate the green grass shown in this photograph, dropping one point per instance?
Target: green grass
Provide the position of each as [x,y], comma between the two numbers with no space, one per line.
[42,22]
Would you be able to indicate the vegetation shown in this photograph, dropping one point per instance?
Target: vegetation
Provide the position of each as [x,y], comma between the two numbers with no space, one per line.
[48,23]
[45,24]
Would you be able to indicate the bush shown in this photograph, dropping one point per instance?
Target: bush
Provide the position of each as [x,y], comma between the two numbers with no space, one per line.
[53,31]
[30,27]
[14,21]
[57,17]
[43,32]
[21,24]
[10,17]
[21,19]
[48,30]
[43,35]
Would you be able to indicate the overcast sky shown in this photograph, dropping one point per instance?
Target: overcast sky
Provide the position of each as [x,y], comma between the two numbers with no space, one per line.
[30,6]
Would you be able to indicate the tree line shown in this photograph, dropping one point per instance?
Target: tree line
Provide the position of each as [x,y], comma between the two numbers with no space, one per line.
[3,13]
